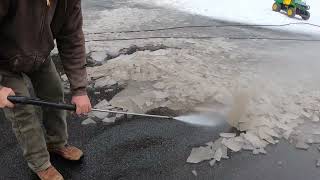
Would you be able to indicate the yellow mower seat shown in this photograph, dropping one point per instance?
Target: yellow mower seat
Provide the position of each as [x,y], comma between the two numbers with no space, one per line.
[287,2]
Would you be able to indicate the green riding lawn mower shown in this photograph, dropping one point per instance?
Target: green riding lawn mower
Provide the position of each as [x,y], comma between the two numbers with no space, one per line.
[293,8]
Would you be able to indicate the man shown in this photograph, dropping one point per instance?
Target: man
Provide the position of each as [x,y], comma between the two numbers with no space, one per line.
[28,29]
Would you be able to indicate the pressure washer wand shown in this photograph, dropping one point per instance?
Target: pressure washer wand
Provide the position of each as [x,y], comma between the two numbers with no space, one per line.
[134,114]
[70,107]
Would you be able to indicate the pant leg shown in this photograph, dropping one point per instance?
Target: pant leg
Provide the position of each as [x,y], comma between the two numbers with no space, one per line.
[47,86]
[26,125]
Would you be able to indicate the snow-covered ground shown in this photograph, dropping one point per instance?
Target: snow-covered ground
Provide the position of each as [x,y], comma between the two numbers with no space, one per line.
[245,11]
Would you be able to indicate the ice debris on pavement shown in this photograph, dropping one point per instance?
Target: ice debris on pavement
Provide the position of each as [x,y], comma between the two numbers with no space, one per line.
[274,110]
[201,154]
[227,135]
[105,117]
[88,121]
[102,104]
[109,120]
[100,115]
[315,118]
[318,163]
[212,162]
[104,82]
[194,172]
[302,145]
[266,121]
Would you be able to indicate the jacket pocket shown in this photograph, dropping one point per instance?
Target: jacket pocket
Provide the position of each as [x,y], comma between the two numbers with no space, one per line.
[26,64]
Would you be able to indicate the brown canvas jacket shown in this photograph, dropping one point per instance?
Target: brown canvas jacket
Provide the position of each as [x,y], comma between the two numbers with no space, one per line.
[28,29]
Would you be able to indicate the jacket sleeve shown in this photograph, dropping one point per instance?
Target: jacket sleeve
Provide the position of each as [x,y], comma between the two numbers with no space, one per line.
[71,46]
[4,7]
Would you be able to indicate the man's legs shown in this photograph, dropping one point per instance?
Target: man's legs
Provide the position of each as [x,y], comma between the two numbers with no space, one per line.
[26,125]
[47,86]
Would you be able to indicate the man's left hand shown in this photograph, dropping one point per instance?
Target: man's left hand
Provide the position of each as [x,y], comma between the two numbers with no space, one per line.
[82,103]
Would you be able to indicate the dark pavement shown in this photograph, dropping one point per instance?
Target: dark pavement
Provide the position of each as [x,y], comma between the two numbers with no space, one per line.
[157,149]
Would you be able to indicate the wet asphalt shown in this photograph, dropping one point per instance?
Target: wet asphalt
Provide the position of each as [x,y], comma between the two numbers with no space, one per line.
[142,148]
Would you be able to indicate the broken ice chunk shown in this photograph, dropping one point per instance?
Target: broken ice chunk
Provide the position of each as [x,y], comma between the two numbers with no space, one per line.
[255,151]
[239,139]
[247,147]
[218,155]
[159,85]
[265,136]
[271,132]
[119,116]
[209,143]
[160,94]
[232,144]
[302,145]
[212,162]
[91,115]
[270,140]
[100,115]
[282,126]
[287,134]
[200,154]
[109,120]
[262,134]
[194,172]
[227,135]
[255,140]
[88,121]
[214,146]
[318,163]
[262,151]
[315,118]
[290,116]
[104,82]
[306,114]
[310,141]
[316,132]
[224,151]
[149,103]
[102,104]
[300,121]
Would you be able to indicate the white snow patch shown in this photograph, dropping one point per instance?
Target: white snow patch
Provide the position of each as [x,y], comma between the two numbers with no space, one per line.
[245,11]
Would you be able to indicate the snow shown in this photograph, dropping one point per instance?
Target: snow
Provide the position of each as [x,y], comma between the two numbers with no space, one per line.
[246,11]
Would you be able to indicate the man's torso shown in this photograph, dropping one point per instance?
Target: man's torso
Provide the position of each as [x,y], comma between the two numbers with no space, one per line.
[28,31]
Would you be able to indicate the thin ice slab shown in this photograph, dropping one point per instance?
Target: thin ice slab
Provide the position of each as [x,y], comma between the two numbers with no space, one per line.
[110,120]
[200,154]
[88,122]
[302,145]
[318,163]
[102,104]
[194,172]
[227,135]
[100,115]
[232,144]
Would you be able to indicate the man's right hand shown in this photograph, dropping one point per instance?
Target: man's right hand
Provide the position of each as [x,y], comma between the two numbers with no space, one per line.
[4,93]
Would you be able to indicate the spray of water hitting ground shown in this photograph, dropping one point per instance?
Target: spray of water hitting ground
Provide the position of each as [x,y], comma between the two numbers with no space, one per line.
[280,101]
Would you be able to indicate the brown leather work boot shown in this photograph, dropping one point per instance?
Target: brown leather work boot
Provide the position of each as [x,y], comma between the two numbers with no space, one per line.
[50,174]
[68,152]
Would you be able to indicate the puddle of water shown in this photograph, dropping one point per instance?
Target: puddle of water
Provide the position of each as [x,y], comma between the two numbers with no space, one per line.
[203,119]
